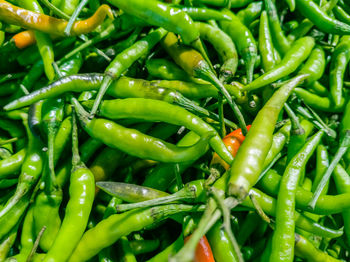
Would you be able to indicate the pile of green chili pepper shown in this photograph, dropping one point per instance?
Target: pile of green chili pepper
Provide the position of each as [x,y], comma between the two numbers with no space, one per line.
[175,130]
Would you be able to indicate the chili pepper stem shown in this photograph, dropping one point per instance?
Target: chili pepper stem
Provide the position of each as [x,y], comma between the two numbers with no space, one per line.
[227,221]
[180,195]
[107,80]
[74,16]
[210,216]
[55,10]
[344,145]
[210,76]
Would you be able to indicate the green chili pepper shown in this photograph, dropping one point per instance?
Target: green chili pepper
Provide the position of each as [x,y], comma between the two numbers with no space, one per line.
[269,56]
[165,69]
[243,40]
[269,206]
[326,204]
[280,40]
[11,165]
[298,52]
[52,115]
[317,102]
[340,59]
[323,22]
[250,13]
[224,46]
[249,160]
[126,87]
[7,243]
[283,236]
[153,110]
[11,218]
[30,172]
[305,250]
[194,64]
[314,65]
[221,244]
[322,163]
[201,13]
[27,236]
[124,60]
[116,226]
[82,191]
[341,179]
[115,135]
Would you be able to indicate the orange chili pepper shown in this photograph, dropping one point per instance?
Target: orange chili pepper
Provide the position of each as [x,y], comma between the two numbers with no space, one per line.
[203,250]
[232,141]
[27,19]
[24,39]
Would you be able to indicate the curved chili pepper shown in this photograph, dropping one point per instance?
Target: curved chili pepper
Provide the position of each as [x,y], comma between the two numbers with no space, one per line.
[250,13]
[14,15]
[243,40]
[281,42]
[12,165]
[298,52]
[326,204]
[340,59]
[164,15]
[224,46]
[194,64]
[283,236]
[124,60]
[306,250]
[30,171]
[154,110]
[249,160]
[314,65]
[156,149]
[318,102]
[323,21]
[116,226]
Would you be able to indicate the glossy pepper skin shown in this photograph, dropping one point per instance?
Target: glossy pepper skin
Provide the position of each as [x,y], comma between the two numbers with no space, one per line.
[298,52]
[154,110]
[249,160]
[138,144]
[339,62]
[116,226]
[283,236]
[243,39]
[323,21]
[82,191]
[50,25]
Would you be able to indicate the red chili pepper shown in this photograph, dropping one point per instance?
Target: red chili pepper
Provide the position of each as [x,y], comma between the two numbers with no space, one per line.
[232,141]
[203,251]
